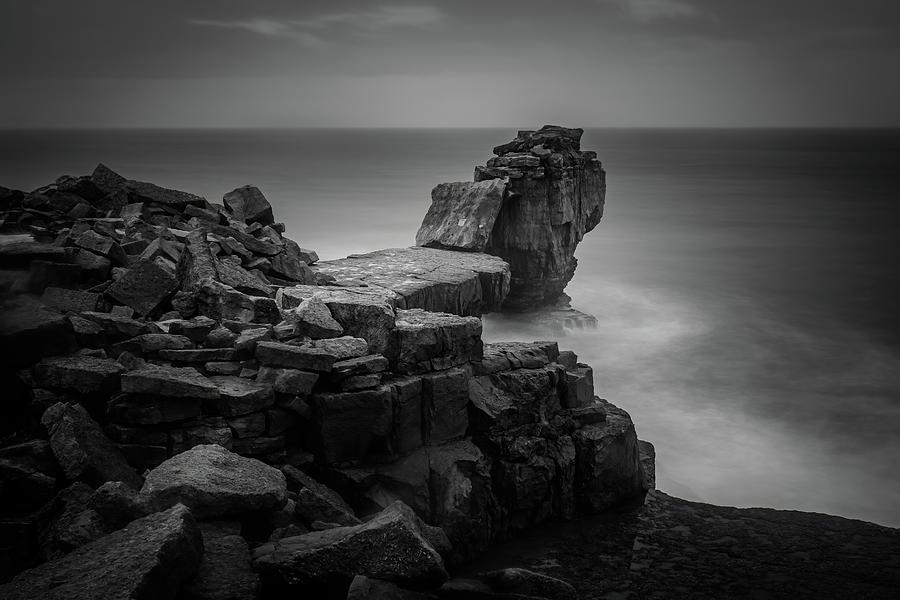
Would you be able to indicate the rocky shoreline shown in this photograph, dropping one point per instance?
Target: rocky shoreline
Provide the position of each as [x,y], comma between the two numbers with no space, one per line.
[198,407]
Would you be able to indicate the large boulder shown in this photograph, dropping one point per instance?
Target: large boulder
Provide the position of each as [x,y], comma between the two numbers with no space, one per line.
[147,560]
[215,482]
[248,204]
[82,449]
[390,546]
[145,285]
[462,215]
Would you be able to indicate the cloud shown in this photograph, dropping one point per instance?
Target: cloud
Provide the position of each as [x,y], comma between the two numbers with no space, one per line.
[311,31]
[652,10]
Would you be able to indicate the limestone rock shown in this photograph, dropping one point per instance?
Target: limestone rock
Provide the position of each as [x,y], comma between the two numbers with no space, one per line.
[248,204]
[82,374]
[426,341]
[313,319]
[82,449]
[462,215]
[214,483]
[171,382]
[277,354]
[352,425]
[147,560]
[390,547]
[462,283]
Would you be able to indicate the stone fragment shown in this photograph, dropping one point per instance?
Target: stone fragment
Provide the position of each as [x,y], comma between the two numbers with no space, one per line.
[104,246]
[149,559]
[197,263]
[82,449]
[172,382]
[579,387]
[313,319]
[118,504]
[277,354]
[223,303]
[151,343]
[145,286]
[445,406]
[216,483]
[195,329]
[341,348]
[70,522]
[232,274]
[425,341]
[245,344]
[462,215]
[315,501]
[335,556]
[220,337]
[238,396]
[288,381]
[118,327]
[82,374]
[249,205]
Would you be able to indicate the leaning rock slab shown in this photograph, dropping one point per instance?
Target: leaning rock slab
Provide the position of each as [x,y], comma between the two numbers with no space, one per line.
[389,547]
[462,215]
[82,449]
[147,560]
[215,482]
[82,374]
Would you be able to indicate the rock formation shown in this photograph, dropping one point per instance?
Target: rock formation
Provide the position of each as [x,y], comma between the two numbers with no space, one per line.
[196,407]
[530,205]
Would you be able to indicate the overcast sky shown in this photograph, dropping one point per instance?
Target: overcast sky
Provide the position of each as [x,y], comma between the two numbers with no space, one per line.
[617,63]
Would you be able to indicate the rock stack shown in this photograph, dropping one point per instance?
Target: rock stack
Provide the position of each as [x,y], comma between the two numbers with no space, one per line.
[530,205]
[190,393]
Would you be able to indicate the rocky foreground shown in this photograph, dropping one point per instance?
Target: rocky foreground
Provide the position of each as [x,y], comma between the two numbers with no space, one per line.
[197,407]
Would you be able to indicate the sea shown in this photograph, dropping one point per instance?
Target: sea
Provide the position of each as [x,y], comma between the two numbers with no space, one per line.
[746,283]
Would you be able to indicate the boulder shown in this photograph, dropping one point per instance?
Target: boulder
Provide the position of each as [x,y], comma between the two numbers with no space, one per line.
[215,482]
[462,215]
[351,425]
[144,286]
[224,303]
[68,300]
[82,449]
[238,396]
[390,547]
[248,204]
[313,319]
[147,560]
[427,341]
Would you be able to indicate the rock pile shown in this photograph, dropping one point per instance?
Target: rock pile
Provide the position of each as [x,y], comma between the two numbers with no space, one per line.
[188,392]
[530,205]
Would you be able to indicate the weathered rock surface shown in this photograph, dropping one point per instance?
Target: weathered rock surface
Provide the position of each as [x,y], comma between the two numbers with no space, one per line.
[248,204]
[149,559]
[82,374]
[171,382]
[225,572]
[82,449]
[334,556]
[462,215]
[214,482]
[428,278]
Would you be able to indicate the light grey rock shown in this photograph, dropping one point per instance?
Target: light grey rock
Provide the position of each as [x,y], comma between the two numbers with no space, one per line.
[462,215]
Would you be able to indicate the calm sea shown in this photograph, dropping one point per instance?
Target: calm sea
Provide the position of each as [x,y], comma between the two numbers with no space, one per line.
[746,283]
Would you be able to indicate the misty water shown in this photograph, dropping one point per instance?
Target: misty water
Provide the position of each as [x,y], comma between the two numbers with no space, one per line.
[746,283]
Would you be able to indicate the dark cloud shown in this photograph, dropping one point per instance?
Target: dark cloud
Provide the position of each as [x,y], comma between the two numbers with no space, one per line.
[653,62]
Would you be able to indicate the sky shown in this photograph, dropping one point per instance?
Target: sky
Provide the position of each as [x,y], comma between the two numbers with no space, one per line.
[441,63]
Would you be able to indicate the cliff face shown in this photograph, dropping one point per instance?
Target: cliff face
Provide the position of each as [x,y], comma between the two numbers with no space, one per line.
[552,195]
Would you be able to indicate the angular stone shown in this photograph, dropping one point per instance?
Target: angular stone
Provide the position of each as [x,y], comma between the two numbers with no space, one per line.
[151,343]
[352,425]
[256,246]
[148,192]
[579,387]
[238,396]
[119,327]
[362,365]
[462,283]
[366,313]
[106,180]
[223,303]
[172,382]
[223,368]
[245,344]
[313,319]
[249,205]
[104,246]
[225,572]
[195,329]
[407,400]
[277,354]
[82,449]
[288,381]
[316,501]
[425,341]
[264,446]
[508,399]
[335,556]
[502,356]
[342,348]
[608,467]
[197,264]
[648,464]
[147,560]
[67,300]
[142,409]
[145,286]
[462,215]
[233,275]
[214,483]
[290,266]
[82,374]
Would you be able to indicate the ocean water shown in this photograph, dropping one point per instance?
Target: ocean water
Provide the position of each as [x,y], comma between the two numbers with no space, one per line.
[746,282]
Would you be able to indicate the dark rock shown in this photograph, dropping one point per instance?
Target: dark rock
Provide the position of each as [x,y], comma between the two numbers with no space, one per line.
[315,501]
[118,504]
[197,355]
[648,464]
[277,354]
[67,300]
[152,343]
[288,381]
[195,329]
[445,407]
[104,246]
[70,522]
[151,409]
[44,274]
[313,319]
[214,482]
[224,303]
[248,204]
[352,425]
[462,215]
[366,588]
[223,368]
[342,348]
[529,583]
[145,286]
[119,327]
[238,396]
[225,572]
[220,337]
[82,374]
[82,449]
[171,382]
[235,276]
[252,425]
[147,560]
[29,330]
[335,556]
[211,430]
[28,476]
[579,387]
[20,254]
[425,341]
[197,264]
